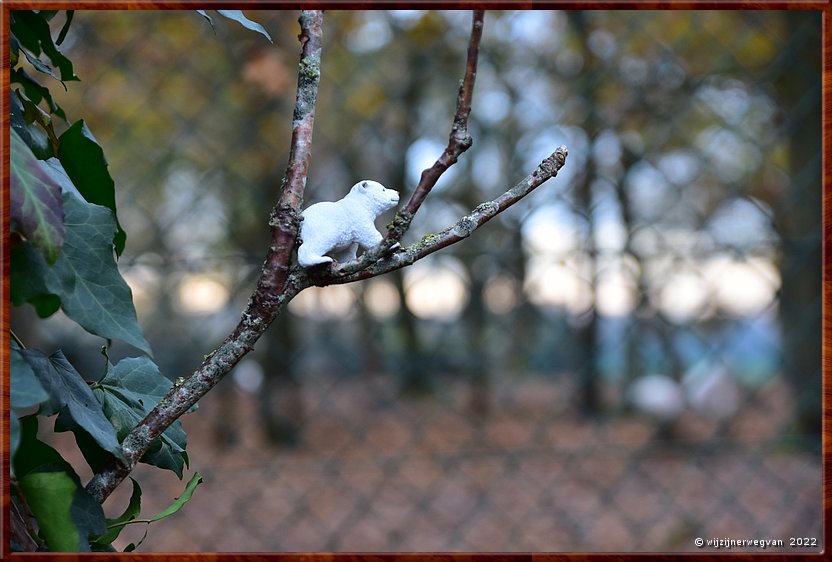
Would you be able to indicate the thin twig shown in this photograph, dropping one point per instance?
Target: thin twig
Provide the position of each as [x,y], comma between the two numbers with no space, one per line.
[16,339]
[272,290]
[460,230]
[458,142]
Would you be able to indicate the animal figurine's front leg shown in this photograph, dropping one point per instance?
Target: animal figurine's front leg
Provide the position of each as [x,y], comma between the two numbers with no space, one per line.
[369,237]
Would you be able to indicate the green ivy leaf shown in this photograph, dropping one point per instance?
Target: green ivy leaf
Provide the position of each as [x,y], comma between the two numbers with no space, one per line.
[27,280]
[86,276]
[35,200]
[65,28]
[36,452]
[24,389]
[239,17]
[129,391]
[84,162]
[50,493]
[35,91]
[34,137]
[87,516]
[40,66]
[95,456]
[33,33]
[115,526]
[165,457]
[67,515]
[33,114]
[72,396]
[180,502]
[22,30]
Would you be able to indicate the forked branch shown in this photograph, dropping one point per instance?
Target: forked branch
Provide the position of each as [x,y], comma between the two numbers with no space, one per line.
[458,142]
[280,281]
[271,293]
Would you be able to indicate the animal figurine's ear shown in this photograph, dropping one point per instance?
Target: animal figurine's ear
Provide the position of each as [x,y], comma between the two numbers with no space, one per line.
[363,186]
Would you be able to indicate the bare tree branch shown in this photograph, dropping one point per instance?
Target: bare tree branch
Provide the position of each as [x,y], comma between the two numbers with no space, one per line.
[271,292]
[459,140]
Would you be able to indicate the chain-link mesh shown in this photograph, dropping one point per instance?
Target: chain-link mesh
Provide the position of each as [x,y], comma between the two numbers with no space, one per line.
[626,360]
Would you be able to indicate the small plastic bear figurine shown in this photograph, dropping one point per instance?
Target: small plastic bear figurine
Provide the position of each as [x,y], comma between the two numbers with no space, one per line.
[333,230]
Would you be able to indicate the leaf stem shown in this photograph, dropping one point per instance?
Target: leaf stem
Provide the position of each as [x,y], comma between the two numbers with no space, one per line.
[16,339]
[125,523]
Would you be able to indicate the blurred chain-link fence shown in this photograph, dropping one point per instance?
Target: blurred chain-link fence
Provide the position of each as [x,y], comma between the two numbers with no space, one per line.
[627,360]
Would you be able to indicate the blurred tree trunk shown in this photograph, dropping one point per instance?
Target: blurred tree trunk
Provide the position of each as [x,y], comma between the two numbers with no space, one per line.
[588,330]
[798,217]
[477,363]
[478,259]
[634,364]
[280,401]
[415,376]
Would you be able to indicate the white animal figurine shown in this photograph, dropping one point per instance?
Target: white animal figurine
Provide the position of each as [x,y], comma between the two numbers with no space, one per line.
[333,230]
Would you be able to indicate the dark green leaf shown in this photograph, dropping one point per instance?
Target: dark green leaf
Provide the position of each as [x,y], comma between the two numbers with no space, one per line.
[35,200]
[33,136]
[65,28]
[40,66]
[84,162]
[195,481]
[86,276]
[33,114]
[14,51]
[24,389]
[87,516]
[114,526]
[22,30]
[166,458]
[32,30]
[31,452]
[70,394]
[27,280]
[131,389]
[45,305]
[36,92]
[95,456]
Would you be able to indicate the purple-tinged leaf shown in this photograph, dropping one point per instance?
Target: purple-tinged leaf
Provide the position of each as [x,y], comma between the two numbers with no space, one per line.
[37,210]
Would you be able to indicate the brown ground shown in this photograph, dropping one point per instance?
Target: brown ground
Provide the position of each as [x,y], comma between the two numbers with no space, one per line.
[376,472]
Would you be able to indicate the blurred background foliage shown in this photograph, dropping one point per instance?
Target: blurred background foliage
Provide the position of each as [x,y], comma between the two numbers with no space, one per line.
[627,359]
